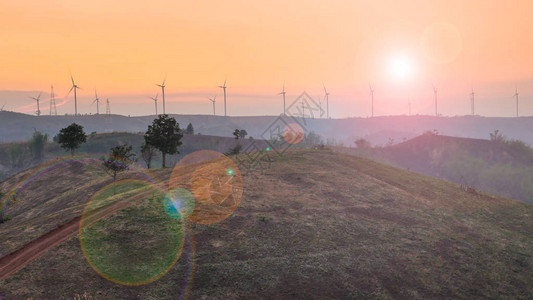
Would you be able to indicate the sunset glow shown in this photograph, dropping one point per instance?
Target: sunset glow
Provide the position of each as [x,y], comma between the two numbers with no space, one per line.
[123,48]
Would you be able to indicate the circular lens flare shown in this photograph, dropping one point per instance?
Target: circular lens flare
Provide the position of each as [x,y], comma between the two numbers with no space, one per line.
[124,235]
[179,203]
[214,181]
[293,133]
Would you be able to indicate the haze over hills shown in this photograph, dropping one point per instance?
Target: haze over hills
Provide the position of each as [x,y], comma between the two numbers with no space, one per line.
[377,130]
[497,166]
[315,225]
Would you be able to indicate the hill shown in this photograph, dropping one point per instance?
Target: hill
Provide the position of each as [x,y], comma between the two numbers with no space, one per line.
[378,130]
[315,225]
[100,143]
[502,167]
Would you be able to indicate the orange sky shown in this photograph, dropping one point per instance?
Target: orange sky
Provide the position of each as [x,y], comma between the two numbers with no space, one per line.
[123,48]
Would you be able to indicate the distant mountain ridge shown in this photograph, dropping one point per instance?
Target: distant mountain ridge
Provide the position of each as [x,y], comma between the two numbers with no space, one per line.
[377,130]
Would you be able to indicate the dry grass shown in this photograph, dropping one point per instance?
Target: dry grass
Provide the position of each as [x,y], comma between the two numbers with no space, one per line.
[322,225]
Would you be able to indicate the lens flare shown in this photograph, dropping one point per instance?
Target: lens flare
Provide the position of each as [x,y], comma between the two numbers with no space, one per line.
[179,203]
[214,181]
[126,237]
[293,133]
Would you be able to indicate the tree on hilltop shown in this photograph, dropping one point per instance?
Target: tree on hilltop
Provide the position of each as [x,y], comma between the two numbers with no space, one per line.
[165,135]
[71,137]
[119,158]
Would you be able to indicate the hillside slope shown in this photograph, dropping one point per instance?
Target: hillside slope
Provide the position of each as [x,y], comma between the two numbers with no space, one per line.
[504,168]
[315,225]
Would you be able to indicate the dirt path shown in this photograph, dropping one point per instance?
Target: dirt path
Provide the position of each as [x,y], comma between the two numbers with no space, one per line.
[15,261]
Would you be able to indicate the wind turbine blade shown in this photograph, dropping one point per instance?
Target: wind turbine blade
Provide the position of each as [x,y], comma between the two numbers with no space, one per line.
[69,91]
[72,78]
[39,97]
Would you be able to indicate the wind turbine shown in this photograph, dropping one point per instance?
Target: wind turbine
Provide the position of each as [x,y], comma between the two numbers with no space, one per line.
[283,93]
[372,97]
[327,101]
[108,107]
[516,96]
[435,92]
[97,102]
[213,100]
[472,101]
[224,88]
[320,107]
[155,102]
[162,86]
[74,87]
[37,99]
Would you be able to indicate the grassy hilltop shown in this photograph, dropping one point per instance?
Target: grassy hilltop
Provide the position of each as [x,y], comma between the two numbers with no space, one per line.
[315,225]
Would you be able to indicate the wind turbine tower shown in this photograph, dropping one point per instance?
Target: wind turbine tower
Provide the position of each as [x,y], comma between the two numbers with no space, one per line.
[472,101]
[155,102]
[283,93]
[53,102]
[372,98]
[38,112]
[162,86]
[97,102]
[74,87]
[224,88]
[327,101]
[214,99]
[516,97]
[435,92]
[107,108]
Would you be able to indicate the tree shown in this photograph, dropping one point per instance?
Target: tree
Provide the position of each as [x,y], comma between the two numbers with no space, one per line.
[362,144]
[36,145]
[71,137]
[243,133]
[237,133]
[189,129]
[16,155]
[165,135]
[497,136]
[235,150]
[148,152]
[119,158]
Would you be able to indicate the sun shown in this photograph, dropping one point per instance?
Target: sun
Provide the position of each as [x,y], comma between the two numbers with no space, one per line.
[401,67]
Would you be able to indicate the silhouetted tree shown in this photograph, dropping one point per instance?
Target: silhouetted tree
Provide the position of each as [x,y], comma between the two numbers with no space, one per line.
[165,135]
[119,158]
[497,136]
[243,133]
[37,143]
[235,150]
[189,129]
[148,152]
[71,137]
[236,133]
